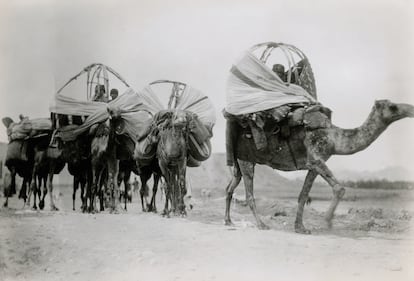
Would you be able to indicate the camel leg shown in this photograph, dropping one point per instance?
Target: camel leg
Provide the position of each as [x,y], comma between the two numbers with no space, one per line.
[88,190]
[338,190]
[34,189]
[99,191]
[153,207]
[127,187]
[303,197]
[166,211]
[113,166]
[82,192]
[23,191]
[125,195]
[182,188]
[89,186]
[99,188]
[168,188]
[75,188]
[8,188]
[50,185]
[42,201]
[247,171]
[234,182]
[26,202]
[143,190]
[174,190]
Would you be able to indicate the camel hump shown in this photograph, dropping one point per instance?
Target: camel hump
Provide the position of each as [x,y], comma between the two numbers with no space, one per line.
[7,121]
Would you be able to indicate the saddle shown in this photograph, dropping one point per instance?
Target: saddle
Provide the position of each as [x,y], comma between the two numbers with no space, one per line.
[280,120]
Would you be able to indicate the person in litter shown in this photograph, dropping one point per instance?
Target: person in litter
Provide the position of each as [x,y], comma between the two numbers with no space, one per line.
[113,94]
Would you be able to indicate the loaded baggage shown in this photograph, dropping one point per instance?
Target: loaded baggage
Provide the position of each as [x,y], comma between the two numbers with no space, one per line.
[189,110]
[264,102]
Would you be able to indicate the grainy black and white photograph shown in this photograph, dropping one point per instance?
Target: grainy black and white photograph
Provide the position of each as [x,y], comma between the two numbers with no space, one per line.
[206,140]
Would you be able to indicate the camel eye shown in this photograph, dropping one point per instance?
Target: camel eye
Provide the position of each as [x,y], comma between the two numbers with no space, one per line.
[393,108]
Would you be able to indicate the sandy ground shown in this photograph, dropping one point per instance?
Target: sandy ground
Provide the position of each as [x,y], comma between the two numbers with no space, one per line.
[371,240]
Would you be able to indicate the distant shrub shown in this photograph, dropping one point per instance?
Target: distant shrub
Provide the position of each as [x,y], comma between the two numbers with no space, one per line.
[380,184]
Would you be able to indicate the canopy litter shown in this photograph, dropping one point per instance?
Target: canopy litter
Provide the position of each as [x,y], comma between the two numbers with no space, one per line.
[185,105]
[182,97]
[96,108]
[252,86]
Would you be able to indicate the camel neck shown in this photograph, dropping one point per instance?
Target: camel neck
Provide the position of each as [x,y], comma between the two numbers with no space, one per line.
[350,141]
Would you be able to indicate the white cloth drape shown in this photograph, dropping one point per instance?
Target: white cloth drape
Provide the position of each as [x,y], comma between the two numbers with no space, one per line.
[253,87]
[191,100]
[134,111]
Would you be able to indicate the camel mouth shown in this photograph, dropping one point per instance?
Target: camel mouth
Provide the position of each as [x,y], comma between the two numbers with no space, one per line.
[407,110]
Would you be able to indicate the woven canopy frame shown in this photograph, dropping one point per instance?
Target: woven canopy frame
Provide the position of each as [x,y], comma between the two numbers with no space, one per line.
[97,74]
[288,51]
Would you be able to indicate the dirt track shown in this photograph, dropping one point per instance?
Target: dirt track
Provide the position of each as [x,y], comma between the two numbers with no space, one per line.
[365,244]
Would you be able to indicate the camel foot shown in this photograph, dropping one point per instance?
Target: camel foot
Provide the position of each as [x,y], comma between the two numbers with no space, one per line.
[151,209]
[228,222]
[54,208]
[41,204]
[5,204]
[262,226]
[115,210]
[166,214]
[34,208]
[328,222]
[302,230]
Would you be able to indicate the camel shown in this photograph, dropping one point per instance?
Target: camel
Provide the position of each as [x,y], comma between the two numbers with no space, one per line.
[104,165]
[108,147]
[145,173]
[73,152]
[38,165]
[28,158]
[76,154]
[172,160]
[44,166]
[40,169]
[311,149]
[126,167]
[21,167]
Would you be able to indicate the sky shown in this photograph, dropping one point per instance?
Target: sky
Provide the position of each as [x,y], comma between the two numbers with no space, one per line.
[360,51]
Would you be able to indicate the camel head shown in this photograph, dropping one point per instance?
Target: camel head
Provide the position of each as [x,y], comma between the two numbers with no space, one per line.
[115,117]
[390,112]
[7,121]
[114,111]
[100,140]
[172,142]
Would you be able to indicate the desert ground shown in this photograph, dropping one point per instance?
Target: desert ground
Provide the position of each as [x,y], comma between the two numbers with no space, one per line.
[371,238]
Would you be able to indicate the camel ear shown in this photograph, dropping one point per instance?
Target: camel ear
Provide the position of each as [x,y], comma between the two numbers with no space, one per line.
[379,104]
[7,121]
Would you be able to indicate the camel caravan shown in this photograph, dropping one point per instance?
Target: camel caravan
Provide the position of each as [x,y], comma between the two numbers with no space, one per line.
[272,117]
